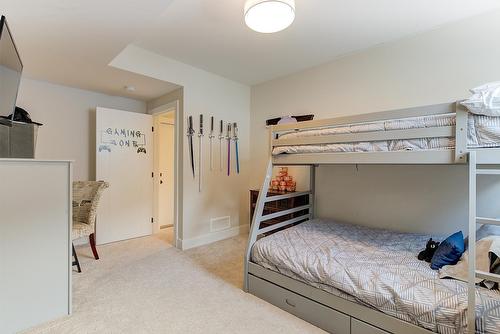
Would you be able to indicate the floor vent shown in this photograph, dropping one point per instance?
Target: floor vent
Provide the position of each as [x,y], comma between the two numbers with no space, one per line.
[220,223]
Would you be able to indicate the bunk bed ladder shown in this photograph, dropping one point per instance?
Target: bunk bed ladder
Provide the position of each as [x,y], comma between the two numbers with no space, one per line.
[256,219]
[474,172]
[259,217]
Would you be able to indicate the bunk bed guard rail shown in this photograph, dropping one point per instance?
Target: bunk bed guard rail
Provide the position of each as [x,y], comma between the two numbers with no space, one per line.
[450,156]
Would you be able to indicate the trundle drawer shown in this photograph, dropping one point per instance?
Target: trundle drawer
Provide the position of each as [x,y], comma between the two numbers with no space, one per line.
[360,327]
[315,313]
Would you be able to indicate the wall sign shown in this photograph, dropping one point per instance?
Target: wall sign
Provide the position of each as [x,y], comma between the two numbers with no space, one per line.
[122,139]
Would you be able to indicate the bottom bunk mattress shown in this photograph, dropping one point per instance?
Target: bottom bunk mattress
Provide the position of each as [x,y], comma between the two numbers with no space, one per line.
[377,268]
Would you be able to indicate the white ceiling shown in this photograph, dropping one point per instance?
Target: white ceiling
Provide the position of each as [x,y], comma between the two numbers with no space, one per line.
[212,34]
[71,42]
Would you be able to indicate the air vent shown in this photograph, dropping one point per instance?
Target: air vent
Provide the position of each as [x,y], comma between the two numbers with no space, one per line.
[220,223]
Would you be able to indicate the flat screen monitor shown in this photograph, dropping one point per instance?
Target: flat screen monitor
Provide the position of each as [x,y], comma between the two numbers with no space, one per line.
[11,68]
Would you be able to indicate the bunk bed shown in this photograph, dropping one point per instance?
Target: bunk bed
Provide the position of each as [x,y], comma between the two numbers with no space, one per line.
[319,270]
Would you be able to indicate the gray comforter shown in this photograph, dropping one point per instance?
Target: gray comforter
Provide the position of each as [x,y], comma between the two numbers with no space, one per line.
[377,268]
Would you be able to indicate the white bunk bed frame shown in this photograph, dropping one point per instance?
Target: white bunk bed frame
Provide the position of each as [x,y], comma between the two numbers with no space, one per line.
[329,312]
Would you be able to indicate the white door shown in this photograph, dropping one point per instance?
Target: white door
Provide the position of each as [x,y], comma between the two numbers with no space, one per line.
[166,174]
[124,158]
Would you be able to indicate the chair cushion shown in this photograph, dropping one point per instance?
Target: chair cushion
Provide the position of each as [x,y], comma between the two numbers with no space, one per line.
[81,212]
[81,230]
[86,197]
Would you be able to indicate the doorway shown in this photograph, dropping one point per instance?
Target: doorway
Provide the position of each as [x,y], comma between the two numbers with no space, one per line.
[164,175]
[139,155]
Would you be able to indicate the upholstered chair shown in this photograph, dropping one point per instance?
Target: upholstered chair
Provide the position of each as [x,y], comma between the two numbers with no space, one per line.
[86,197]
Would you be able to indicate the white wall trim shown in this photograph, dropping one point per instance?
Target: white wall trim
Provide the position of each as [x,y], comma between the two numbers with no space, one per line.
[178,165]
[164,108]
[212,237]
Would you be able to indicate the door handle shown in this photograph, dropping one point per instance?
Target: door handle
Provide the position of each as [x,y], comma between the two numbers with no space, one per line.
[292,304]
[161,181]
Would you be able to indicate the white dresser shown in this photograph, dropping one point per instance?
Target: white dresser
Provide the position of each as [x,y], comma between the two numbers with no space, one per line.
[35,242]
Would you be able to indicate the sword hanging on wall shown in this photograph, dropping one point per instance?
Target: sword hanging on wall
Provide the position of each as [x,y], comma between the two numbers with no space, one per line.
[190,134]
[235,138]
[228,137]
[221,136]
[211,137]
[200,153]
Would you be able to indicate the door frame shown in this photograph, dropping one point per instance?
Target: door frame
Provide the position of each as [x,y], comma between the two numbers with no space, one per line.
[171,107]
[158,123]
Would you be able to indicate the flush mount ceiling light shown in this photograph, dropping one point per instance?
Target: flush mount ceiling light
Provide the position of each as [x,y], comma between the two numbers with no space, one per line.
[268,16]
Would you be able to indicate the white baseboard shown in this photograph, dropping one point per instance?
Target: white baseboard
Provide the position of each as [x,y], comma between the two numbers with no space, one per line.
[211,237]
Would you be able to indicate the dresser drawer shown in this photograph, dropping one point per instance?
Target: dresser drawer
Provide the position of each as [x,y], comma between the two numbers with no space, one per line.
[360,327]
[304,308]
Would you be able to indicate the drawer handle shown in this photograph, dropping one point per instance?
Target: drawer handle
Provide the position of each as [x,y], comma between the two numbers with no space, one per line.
[289,303]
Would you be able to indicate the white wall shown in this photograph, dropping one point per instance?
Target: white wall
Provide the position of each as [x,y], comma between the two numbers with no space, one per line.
[211,95]
[433,67]
[68,115]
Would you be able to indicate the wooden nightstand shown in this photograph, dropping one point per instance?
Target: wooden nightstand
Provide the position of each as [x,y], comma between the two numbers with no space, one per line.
[279,205]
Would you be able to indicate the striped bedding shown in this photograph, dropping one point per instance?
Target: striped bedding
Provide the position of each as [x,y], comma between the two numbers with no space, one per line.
[379,269]
[483,132]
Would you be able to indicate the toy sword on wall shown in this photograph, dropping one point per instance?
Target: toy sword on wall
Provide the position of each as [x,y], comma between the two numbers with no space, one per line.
[190,134]
[211,137]
[235,138]
[200,153]
[221,136]
[228,137]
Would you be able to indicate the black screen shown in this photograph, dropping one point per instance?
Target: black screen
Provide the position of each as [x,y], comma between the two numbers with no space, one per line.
[10,70]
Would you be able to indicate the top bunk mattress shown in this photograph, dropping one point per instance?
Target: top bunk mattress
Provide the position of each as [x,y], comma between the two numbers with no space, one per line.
[377,268]
[483,132]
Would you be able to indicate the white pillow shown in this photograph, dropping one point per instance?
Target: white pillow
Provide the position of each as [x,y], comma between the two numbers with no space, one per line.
[486,87]
[485,100]
[484,231]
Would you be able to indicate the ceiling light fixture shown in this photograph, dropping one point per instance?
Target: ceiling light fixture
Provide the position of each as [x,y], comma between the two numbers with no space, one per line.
[268,16]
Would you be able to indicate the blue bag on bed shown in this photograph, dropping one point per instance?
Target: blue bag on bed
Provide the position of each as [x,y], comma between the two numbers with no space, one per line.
[449,251]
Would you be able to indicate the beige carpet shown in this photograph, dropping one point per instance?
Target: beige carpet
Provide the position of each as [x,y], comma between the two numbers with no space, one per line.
[146,286]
